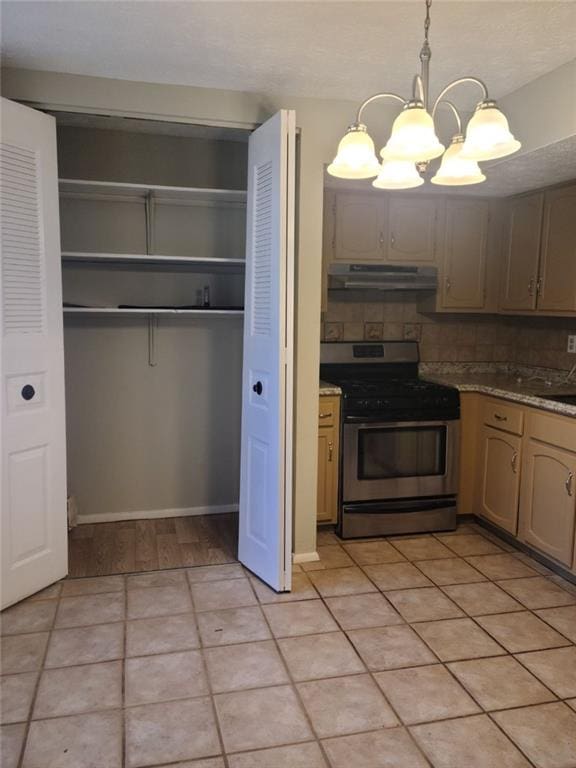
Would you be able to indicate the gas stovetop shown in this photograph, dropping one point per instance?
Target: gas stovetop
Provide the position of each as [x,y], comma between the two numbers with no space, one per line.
[380,382]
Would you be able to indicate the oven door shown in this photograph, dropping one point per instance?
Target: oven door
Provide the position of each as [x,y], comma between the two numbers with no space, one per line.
[395,460]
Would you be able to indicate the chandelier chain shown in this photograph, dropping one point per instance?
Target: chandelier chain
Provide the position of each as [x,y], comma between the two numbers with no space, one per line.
[427,20]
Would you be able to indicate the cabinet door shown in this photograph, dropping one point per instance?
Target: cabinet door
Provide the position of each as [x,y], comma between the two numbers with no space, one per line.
[327,475]
[500,479]
[359,234]
[411,231]
[558,262]
[547,501]
[464,262]
[521,253]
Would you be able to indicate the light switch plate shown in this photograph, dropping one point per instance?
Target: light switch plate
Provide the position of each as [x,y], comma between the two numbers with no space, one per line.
[572,343]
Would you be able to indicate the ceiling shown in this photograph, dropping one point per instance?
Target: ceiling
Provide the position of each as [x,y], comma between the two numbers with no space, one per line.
[316,49]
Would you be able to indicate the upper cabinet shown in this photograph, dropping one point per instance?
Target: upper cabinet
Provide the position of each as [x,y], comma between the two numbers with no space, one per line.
[557,289]
[521,253]
[463,266]
[540,254]
[359,227]
[412,230]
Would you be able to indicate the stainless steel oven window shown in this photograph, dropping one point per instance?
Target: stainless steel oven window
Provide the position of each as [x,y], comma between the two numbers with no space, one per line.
[389,452]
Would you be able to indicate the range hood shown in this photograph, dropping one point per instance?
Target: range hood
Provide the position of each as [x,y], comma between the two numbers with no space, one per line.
[381,277]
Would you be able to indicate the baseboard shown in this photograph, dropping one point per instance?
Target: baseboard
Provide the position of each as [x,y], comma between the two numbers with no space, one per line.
[152,514]
[305,557]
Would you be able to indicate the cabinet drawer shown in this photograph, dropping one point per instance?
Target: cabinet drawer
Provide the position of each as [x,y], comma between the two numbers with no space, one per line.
[501,416]
[328,411]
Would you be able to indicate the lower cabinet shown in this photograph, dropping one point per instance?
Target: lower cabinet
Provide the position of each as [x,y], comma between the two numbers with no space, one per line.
[548,500]
[500,478]
[328,452]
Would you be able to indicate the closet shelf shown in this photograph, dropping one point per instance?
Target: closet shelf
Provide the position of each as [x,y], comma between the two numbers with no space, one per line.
[195,263]
[152,311]
[113,188]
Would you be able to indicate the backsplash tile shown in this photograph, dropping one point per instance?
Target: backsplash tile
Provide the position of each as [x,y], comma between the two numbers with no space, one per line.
[533,341]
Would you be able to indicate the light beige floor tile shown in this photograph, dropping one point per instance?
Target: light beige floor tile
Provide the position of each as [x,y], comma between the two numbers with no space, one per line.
[331,556]
[341,581]
[326,536]
[235,625]
[90,609]
[250,665]
[167,676]
[266,717]
[309,617]
[208,762]
[85,645]
[373,552]
[481,599]
[392,748]
[171,731]
[571,703]
[390,647]
[52,592]
[315,656]
[465,546]
[545,733]
[158,601]
[361,611]
[501,566]
[426,604]
[302,589]
[455,639]
[519,632]
[469,742]
[423,694]
[89,741]
[98,585]
[218,595]
[556,669]
[451,570]
[396,576]
[22,653]
[343,705]
[75,690]
[16,693]
[33,616]
[422,548]
[538,592]
[499,683]
[562,619]
[162,634]
[156,579]
[11,743]
[215,573]
[306,755]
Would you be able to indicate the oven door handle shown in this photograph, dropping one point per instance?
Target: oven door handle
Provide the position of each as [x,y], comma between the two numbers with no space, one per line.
[377,421]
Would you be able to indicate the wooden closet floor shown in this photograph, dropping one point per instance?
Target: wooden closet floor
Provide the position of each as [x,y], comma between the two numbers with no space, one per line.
[148,545]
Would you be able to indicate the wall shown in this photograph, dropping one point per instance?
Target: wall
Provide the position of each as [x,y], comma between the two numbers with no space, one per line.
[462,338]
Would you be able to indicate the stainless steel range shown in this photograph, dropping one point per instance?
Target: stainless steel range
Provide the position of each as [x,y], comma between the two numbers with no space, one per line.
[400,440]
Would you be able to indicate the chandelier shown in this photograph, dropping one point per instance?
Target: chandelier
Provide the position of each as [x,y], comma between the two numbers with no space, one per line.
[413,141]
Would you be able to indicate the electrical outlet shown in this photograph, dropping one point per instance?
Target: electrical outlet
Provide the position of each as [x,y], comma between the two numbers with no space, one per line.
[572,343]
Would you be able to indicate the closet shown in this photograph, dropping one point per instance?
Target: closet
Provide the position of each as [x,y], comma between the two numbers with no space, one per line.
[152,223]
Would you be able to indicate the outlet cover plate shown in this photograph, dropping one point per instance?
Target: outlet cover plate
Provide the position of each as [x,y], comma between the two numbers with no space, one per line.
[572,344]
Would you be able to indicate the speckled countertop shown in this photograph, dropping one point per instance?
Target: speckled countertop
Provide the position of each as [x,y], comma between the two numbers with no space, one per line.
[528,386]
[329,389]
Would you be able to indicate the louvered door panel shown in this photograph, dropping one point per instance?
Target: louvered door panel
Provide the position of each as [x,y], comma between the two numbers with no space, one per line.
[262,256]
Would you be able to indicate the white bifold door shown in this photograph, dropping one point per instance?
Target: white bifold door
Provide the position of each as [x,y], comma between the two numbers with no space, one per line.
[33,497]
[265,535]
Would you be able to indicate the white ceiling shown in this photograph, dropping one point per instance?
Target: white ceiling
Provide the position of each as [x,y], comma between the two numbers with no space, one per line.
[318,49]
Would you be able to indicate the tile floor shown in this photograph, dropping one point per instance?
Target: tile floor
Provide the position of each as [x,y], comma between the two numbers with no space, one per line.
[451,651]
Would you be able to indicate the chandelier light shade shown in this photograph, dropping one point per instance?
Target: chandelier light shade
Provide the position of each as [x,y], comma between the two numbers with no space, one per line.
[455,170]
[356,156]
[413,136]
[397,174]
[488,135]
[413,140]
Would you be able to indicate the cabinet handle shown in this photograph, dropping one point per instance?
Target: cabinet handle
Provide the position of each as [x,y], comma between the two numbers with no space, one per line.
[448,285]
[392,240]
[568,483]
[325,415]
[381,238]
[531,287]
[330,450]
[513,461]
[498,417]
[538,286]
